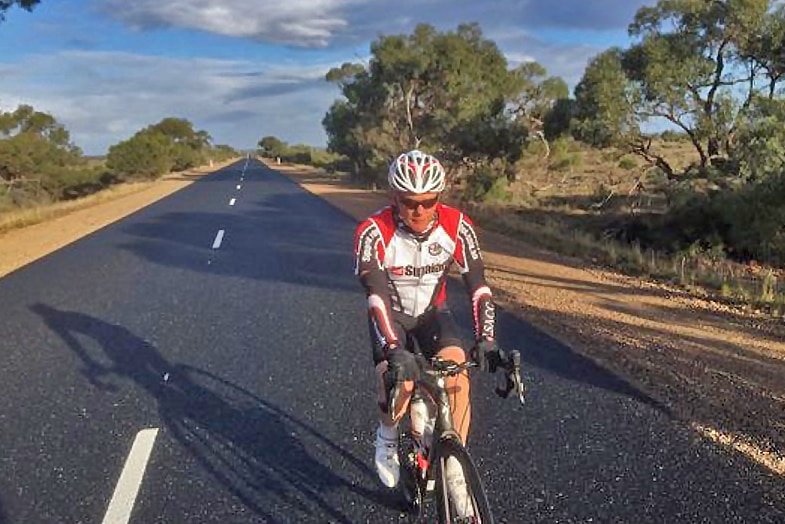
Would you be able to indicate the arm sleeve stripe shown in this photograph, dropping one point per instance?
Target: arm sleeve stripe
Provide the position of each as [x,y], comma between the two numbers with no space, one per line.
[376,304]
[478,295]
[371,233]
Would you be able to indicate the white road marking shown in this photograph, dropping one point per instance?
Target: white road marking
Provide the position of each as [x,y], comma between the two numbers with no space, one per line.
[218,239]
[119,511]
[768,459]
[239,186]
[232,201]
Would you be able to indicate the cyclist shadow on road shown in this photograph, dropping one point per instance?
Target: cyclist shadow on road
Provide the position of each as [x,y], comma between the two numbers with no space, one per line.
[253,448]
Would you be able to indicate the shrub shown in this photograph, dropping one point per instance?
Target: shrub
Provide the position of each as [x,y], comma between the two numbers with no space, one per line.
[144,156]
[499,191]
[564,161]
[185,157]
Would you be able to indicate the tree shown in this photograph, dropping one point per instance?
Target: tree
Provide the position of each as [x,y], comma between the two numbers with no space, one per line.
[170,145]
[558,119]
[690,63]
[355,126]
[760,152]
[340,124]
[24,4]
[181,131]
[537,96]
[428,89]
[604,106]
[187,146]
[271,146]
[38,162]
[221,152]
[33,143]
[146,155]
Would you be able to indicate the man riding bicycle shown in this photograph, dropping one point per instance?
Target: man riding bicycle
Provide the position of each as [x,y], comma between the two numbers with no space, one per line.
[403,255]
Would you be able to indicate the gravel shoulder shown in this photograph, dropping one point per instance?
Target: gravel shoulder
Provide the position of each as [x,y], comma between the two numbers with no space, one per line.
[719,370]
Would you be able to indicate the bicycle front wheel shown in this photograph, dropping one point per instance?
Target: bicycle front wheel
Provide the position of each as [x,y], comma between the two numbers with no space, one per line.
[460,496]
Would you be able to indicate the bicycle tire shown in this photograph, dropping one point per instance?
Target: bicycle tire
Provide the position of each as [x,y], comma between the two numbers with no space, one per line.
[482,510]
[410,486]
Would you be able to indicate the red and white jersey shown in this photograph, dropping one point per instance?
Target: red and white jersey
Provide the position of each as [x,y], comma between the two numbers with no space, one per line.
[416,266]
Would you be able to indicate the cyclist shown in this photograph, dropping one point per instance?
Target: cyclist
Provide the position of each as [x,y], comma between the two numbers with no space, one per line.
[403,254]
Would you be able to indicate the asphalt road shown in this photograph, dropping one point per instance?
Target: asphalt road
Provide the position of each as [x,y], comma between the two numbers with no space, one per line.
[251,359]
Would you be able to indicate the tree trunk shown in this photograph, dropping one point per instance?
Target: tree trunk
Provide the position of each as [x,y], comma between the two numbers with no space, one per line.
[700,150]
[714,147]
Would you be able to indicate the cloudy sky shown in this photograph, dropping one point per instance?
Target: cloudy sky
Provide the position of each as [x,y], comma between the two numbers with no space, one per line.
[243,69]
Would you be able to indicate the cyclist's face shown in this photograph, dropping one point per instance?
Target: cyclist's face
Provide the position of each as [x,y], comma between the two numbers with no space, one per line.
[416,210]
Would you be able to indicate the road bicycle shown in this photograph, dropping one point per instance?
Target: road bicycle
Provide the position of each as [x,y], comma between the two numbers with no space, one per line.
[424,460]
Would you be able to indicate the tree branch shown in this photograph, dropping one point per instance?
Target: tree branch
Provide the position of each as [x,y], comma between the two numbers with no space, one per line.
[642,148]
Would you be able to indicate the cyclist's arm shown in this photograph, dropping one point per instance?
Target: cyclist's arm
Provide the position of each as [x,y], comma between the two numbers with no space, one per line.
[369,260]
[469,259]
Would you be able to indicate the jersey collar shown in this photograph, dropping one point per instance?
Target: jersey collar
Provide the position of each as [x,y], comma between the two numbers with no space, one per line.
[420,237]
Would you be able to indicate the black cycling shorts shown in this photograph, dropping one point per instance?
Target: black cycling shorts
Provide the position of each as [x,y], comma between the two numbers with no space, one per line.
[433,331]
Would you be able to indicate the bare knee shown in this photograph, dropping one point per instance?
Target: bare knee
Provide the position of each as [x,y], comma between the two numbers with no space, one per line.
[454,353]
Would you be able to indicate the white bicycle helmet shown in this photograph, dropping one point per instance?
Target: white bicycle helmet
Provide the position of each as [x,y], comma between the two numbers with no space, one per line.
[416,172]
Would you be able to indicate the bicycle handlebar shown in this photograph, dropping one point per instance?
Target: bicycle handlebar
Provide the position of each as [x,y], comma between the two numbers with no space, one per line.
[448,368]
[510,362]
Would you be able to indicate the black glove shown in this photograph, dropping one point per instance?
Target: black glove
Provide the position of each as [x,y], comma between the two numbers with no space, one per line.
[403,365]
[488,355]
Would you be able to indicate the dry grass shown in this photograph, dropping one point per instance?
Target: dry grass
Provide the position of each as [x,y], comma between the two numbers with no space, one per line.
[578,176]
[761,289]
[34,215]
[16,219]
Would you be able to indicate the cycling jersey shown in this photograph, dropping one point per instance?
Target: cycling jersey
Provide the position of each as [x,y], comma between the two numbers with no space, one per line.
[406,273]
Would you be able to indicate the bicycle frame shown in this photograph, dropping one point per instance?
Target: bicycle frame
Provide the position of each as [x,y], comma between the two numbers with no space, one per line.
[432,384]
[419,459]
[431,387]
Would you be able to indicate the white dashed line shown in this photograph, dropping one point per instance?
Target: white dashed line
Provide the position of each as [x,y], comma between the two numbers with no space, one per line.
[218,239]
[239,186]
[232,201]
[119,511]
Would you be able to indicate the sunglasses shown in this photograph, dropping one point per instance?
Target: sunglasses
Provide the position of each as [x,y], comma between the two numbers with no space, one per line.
[412,204]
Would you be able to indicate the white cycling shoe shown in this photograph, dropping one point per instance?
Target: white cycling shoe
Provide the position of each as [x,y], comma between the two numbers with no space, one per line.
[457,490]
[387,464]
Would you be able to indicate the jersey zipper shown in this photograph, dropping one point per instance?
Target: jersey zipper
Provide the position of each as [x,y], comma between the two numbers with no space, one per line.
[418,264]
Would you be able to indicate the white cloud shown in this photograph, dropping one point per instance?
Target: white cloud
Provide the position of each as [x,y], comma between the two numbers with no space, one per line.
[108,96]
[319,23]
[295,22]
[566,61]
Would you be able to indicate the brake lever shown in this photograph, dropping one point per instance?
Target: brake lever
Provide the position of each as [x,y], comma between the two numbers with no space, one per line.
[512,376]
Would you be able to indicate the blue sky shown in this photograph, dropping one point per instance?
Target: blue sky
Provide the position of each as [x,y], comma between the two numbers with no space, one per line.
[243,69]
